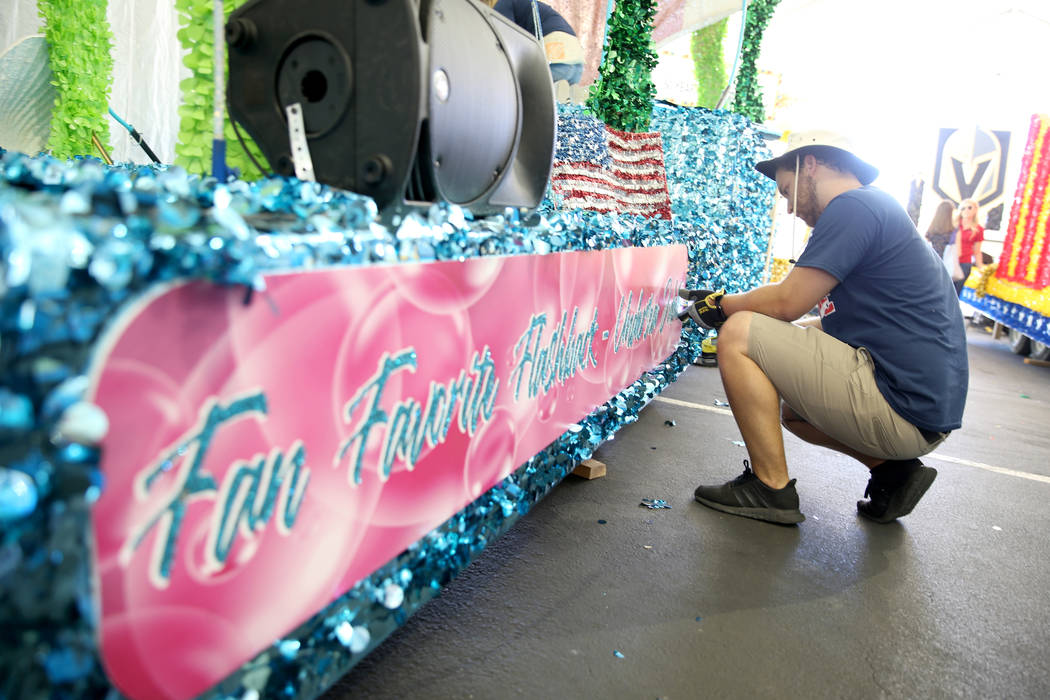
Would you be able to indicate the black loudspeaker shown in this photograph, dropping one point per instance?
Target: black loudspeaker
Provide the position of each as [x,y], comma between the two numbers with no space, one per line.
[406,101]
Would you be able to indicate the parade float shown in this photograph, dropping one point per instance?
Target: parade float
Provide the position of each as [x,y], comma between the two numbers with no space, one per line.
[1015,293]
[250,424]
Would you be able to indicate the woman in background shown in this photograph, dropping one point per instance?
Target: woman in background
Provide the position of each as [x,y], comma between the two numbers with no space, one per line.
[940,230]
[970,236]
[564,52]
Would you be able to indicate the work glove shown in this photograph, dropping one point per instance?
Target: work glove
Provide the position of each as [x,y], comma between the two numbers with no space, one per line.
[705,308]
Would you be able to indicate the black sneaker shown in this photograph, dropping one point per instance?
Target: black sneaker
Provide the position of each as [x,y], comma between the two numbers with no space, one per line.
[894,489]
[746,495]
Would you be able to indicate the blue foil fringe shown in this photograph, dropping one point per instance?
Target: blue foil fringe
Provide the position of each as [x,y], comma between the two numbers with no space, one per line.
[1021,318]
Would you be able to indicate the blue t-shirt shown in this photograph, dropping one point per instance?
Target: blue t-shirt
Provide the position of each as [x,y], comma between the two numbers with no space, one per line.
[520,12]
[895,299]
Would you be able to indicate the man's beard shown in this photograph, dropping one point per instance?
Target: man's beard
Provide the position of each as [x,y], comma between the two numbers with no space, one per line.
[807,201]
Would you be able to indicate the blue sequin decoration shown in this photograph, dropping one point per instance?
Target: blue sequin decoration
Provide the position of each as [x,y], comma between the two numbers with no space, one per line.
[654,503]
[18,494]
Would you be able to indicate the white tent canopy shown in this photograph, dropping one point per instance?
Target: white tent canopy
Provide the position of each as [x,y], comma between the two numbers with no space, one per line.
[892,74]
[147,68]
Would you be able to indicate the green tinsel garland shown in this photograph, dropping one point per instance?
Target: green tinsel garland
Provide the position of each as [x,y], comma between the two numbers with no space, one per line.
[79,42]
[622,96]
[709,64]
[193,150]
[748,99]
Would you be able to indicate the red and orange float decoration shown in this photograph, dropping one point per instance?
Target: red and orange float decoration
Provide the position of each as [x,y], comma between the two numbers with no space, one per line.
[1018,292]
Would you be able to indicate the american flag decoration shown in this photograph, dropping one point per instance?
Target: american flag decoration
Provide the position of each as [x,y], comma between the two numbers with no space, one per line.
[601,169]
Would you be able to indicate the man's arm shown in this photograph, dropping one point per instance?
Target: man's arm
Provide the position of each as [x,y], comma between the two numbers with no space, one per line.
[786,300]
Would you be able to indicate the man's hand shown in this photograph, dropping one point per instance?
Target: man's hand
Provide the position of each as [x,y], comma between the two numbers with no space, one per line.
[705,309]
[694,294]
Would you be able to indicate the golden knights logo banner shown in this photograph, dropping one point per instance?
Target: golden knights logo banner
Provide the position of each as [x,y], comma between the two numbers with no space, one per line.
[971,164]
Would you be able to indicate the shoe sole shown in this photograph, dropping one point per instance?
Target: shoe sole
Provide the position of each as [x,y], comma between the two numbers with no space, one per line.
[770,515]
[907,498]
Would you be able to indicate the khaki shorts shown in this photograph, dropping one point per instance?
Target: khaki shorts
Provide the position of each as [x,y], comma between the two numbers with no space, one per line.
[831,385]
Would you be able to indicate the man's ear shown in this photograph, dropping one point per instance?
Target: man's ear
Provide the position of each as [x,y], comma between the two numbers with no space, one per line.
[809,164]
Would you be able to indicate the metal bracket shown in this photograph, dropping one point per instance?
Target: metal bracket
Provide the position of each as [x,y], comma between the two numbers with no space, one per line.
[304,165]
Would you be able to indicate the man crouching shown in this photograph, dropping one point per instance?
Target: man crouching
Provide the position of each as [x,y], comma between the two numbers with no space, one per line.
[882,377]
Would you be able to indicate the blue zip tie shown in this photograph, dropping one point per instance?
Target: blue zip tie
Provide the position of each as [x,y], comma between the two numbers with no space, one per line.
[123,123]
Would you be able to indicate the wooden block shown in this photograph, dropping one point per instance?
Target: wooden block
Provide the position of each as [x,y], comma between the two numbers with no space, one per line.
[1037,363]
[590,469]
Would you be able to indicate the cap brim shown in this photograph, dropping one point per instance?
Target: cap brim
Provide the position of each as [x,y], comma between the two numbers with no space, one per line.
[865,172]
[769,167]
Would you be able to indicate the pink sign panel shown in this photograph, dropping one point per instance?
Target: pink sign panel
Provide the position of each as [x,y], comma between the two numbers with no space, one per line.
[264,457]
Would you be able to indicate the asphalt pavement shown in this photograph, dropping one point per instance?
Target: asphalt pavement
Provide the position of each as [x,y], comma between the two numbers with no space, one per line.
[593,596]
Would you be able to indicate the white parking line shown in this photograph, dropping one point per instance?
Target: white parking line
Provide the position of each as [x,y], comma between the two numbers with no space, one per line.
[676,402]
[932,455]
[989,467]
